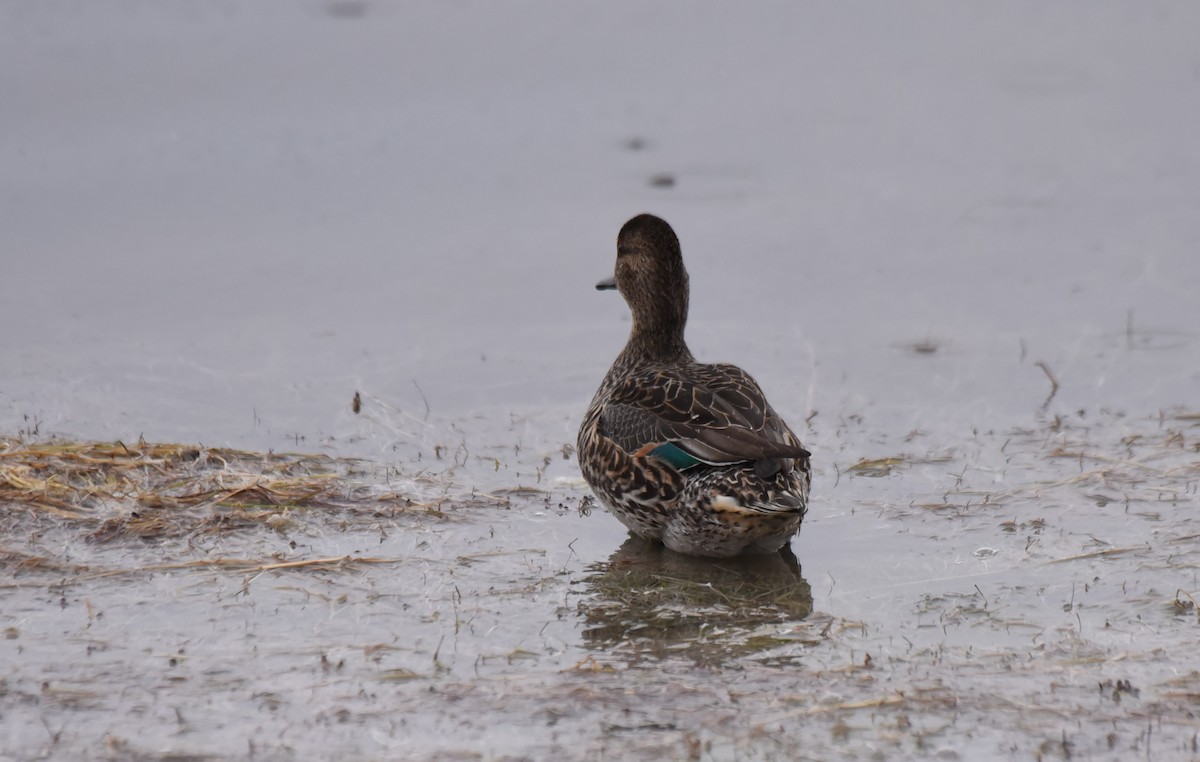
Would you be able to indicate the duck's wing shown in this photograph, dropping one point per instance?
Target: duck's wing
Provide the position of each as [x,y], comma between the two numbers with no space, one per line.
[732,381]
[703,414]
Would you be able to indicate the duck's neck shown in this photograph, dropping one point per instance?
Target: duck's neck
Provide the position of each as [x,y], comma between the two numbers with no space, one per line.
[657,342]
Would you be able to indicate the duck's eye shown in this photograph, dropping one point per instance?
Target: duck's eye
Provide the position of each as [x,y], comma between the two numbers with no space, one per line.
[624,251]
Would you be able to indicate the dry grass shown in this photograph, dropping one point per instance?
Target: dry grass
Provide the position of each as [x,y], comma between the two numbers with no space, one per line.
[157,490]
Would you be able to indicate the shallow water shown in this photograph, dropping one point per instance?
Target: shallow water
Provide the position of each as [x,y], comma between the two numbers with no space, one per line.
[961,267]
[985,604]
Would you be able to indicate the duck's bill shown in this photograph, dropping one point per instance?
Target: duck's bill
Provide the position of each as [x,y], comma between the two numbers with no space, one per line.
[608,284]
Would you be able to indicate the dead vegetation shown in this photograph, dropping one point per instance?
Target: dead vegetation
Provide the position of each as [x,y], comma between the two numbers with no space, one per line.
[161,490]
[115,491]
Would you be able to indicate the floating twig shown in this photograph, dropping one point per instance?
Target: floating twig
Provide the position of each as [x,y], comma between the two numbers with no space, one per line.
[1053,382]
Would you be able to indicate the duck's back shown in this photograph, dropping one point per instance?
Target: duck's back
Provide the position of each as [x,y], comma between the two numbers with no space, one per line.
[694,455]
[698,414]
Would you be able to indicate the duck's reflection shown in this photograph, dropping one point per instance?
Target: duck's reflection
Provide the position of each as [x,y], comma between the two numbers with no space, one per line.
[649,602]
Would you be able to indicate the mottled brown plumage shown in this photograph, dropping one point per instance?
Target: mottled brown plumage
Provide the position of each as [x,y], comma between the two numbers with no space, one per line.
[679,451]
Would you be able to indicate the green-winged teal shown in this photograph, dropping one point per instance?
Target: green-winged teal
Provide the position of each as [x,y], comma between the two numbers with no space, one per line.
[682,452]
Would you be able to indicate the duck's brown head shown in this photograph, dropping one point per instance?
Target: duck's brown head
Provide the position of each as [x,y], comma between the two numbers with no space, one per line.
[651,276]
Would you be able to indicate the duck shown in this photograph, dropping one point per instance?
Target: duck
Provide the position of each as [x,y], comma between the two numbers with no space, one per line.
[681,452]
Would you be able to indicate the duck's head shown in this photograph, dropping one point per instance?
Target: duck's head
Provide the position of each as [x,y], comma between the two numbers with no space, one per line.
[651,276]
